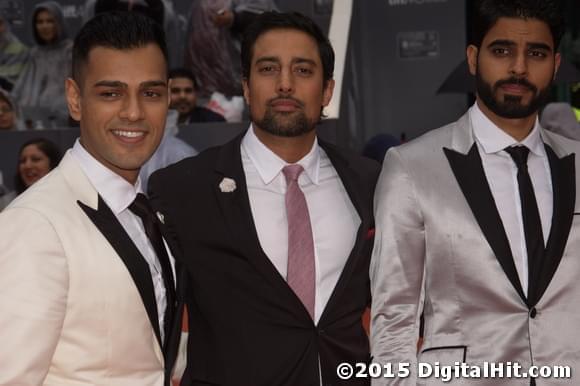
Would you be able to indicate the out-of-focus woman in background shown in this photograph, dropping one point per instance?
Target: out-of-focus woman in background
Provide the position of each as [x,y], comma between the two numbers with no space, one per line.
[41,84]
[36,158]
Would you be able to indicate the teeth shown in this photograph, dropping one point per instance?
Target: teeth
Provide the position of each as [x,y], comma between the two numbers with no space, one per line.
[128,134]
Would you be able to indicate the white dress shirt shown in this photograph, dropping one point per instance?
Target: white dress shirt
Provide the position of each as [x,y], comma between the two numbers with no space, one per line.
[501,173]
[333,217]
[118,194]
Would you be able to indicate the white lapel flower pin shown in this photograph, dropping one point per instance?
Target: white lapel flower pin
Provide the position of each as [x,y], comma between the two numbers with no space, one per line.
[227,185]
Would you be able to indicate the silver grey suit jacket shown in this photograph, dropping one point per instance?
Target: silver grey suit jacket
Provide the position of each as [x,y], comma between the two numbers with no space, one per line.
[441,249]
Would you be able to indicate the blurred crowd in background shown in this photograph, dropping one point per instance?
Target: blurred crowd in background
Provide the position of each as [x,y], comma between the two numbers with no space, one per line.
[204,46]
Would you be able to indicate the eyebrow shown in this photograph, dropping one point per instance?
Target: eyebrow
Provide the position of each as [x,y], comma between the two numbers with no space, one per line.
[510,43]
[119,84]
[277,60]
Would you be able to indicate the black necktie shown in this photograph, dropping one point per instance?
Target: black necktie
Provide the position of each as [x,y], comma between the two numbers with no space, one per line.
[530,213]
[142,208]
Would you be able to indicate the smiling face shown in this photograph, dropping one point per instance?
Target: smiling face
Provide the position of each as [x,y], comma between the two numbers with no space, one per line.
[514,67]
[33,164]
[46,27]
[285,89]
[121,102]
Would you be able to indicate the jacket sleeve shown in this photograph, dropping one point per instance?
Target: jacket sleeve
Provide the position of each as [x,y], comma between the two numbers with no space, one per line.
[396,272]
[33,296]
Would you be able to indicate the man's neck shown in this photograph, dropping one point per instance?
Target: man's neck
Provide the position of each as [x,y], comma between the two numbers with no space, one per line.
[290,149]
[517,128]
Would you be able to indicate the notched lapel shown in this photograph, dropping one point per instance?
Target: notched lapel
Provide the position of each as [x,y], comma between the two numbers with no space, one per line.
[470,176]
[109,226]
[564,197]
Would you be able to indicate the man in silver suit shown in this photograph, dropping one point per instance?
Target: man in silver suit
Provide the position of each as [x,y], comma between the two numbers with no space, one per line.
[476,222]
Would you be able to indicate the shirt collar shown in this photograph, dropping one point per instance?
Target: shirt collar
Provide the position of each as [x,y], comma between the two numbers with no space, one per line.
[493,139]
[117,193]
[269,165]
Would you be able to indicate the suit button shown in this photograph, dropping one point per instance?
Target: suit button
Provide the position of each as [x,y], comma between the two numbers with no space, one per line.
[533,313]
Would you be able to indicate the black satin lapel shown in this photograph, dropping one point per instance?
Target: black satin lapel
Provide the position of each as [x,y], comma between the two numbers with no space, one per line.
[352,184]
[564,197]
[111,228]
[235,210]
[470,176]
[171,348]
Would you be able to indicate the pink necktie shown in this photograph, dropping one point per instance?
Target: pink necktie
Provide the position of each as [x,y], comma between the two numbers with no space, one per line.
[301,269]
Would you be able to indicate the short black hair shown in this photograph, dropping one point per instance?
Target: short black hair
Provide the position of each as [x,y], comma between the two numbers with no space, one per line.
[268,21]
[488,12]
[182,72]
[117,30]
[49,148]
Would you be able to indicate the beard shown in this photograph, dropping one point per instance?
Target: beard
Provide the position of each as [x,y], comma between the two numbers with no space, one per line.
[285,124]
[182,106]
[511,107]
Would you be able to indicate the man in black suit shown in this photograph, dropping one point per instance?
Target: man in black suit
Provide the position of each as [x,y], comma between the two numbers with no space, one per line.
[275,227]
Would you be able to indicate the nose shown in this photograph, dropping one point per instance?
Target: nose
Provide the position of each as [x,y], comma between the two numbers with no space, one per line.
[519,65]
[27,164]
[285,82]
[132,109]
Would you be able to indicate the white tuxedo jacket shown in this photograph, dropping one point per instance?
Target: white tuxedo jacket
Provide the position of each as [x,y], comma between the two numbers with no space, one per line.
[441,249]
[75,304]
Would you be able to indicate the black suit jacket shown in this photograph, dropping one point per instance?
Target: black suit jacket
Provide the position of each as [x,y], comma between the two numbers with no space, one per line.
[247,327]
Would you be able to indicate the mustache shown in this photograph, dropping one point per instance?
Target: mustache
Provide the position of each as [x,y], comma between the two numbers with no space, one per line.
[283,99]
[516,82]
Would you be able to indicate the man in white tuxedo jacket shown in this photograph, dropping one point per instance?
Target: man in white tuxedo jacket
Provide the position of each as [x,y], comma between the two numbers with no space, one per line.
[476,224]
[84,297]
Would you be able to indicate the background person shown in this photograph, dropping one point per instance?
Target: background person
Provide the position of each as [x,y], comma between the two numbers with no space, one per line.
[559,117]
[10,118]
[184,99]
[214,31]
[36,159]
[41,83]
[13,55]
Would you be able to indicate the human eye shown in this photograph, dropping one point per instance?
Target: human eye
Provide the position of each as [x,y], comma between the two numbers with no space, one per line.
[267,69]
[540,54]
[500,51]
[304,70]
[109,94]
[153,93]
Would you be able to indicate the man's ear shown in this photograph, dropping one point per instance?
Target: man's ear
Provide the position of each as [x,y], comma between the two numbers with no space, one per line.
[246,90]
[327,92]
[472,52]
[73,98]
